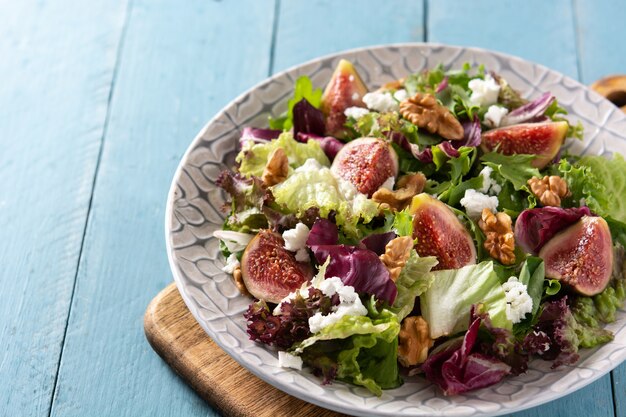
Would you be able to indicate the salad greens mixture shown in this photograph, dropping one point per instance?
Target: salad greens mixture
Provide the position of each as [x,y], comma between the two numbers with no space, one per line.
[431,227]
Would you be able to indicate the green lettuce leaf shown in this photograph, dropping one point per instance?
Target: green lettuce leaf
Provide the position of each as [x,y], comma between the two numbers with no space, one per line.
[320,188]
[361,350]
[303,89]
[514,168]
[253,157]
[403,223]
[610,175]
[414,279]
[446,304]
[532,275]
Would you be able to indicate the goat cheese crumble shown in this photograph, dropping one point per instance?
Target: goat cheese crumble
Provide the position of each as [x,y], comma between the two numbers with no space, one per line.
[287,360]
[401,95]
[475,201]
[349,304]
[484,92]
[518,302]
[494,115]
[295,241]
[490,186]
[355,112]
[380,102]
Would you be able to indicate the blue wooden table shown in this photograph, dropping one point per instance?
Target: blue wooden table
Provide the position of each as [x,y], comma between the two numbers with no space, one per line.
[98,102]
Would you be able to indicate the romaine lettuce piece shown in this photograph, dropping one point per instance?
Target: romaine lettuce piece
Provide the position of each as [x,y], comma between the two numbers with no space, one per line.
[447,303]
[253,157]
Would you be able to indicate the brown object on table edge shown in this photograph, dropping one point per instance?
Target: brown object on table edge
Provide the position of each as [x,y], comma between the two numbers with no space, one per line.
[613,88]
[175,335]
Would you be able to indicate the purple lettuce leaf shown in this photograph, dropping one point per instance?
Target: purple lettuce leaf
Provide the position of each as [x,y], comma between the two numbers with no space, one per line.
[425,156]
[244,192]
[471,133]
[323,232]
[535,227]
[357,267]
[377,242]
[307,119]
[442,85]
[529,112]
[554,337]
[449,149]
[330,145]
[258,135]
[457,366]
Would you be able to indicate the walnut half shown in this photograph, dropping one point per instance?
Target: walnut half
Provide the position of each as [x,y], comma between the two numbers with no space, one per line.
[276,169]
[238,278]
[499,241]
[408,186]
[397,252]
[549,190]
[424,111]
[414,341]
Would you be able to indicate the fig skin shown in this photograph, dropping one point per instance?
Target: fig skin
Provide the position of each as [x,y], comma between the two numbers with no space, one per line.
[345,89]
[581,256]
[441,234]
[541,139]
[366,163]
[269,271]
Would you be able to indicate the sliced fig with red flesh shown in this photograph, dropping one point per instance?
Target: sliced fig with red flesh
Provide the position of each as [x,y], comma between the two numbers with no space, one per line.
[269,271]
[345,89]
[541,139]
[581,256]
[366,163]
[441,234]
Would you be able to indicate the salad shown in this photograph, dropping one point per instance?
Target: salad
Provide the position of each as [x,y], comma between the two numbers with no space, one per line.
[431,228]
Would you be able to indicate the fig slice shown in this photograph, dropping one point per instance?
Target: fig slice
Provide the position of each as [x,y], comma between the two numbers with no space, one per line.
[441,234]
[581,256]
[269,271]
[366,163]
[345,89]
[541,139]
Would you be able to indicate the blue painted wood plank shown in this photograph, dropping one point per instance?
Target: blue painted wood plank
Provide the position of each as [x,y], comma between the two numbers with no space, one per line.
[537,30]
[601,31]
[57,65]
[308,29]
[180,63]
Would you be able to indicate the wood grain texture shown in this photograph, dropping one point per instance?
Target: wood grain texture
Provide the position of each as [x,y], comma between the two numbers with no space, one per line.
[537,30]
[308,29]
[180,63]
[56,70]
[176,335]
[601,31]
[543,32]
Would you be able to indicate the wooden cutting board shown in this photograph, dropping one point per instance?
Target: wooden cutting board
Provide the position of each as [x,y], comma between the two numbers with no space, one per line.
[176,336]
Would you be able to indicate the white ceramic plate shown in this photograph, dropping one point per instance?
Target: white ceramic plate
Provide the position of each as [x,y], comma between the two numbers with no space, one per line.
[193,213]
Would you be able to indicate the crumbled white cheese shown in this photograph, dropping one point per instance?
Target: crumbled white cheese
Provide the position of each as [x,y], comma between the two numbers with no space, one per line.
[490,186]
[518,302]
[234,241]
[231,264]
[494,115]
[309,165]
[380,101]
[295,239]
[475,201]
[355,112]
[484,92]
[349,304]
[347,189]
[401,95]
[389,183]
[287,360]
